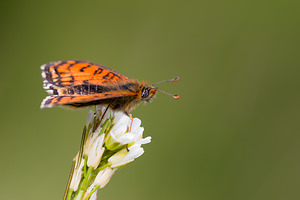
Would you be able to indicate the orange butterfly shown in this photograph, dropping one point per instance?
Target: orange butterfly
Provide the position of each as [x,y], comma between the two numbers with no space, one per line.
[78,83]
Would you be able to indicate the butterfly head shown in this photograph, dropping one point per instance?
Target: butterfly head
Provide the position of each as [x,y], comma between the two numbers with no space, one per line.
[148,92]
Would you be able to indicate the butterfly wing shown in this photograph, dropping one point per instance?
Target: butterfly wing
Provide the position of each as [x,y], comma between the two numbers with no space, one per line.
[81,101]
[80,83]
[69,73]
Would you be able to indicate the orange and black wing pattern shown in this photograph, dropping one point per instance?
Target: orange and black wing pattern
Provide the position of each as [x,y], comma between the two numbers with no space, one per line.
[75,81]
[82,100]
[76,72]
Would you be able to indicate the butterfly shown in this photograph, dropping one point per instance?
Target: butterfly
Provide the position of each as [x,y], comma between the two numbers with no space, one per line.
[76,83]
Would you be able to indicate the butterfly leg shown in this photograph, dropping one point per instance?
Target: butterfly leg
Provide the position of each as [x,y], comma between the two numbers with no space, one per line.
[130,122]
[102,116]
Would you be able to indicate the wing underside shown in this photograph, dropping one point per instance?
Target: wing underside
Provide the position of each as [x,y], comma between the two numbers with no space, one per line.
[65,74]
[80,83]
[81,101]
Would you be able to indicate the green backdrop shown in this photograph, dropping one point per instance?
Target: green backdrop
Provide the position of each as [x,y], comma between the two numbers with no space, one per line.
[234,133]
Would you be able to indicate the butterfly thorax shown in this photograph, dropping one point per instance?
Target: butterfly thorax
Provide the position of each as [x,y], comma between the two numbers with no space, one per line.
[142,93]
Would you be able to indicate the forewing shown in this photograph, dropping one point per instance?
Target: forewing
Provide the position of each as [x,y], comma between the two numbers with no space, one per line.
[63,74]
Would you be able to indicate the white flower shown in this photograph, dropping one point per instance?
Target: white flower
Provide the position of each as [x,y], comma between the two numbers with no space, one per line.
[96,151]
[144,140]
[119,135]
[92,135]
[76,175]
[125,156]
[104,176]
[122,147]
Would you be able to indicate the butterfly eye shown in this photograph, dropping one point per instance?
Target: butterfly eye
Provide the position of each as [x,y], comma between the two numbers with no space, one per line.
[145,93]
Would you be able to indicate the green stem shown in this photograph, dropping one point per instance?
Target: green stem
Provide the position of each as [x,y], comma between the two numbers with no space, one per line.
[70,192]
[84,184]
[104,126]
[104,166]
[79,195]
[92,192]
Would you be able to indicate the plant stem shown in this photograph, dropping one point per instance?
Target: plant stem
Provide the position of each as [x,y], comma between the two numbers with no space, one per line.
[84,184]
[92,192]
[70,192]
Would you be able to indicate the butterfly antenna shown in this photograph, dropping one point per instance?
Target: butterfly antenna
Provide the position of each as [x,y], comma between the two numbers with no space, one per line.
[173,95]
[171,80]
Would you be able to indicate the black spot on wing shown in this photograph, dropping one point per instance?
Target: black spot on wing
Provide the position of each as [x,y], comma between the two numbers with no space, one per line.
[107,76]
[98,71]
[82,69]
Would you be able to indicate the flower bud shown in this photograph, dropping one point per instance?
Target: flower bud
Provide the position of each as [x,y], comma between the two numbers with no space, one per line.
[76,175]
[119,135]
[104,176]
[95,153]
[125,156]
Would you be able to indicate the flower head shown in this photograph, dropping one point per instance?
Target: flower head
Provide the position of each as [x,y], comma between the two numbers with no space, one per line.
[107,145]
[119,135]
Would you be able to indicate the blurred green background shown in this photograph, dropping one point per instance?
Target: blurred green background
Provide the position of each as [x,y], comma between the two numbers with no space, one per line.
[234,133]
